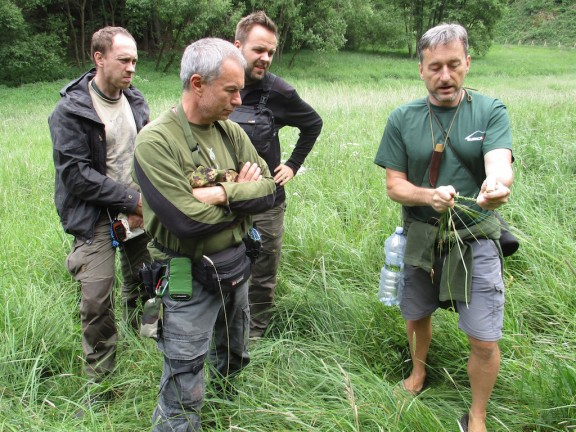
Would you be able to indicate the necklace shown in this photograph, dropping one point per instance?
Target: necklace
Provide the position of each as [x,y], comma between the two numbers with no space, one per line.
[438,148]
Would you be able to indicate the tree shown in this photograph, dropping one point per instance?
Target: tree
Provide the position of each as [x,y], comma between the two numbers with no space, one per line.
[11,21]
[72,9]
[26,57]
[172,24]
[479,17]
[318,25]
[374,24]
[47,28]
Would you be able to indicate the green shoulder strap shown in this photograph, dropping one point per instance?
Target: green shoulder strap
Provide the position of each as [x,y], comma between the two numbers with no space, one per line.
[185,124]
[192,143]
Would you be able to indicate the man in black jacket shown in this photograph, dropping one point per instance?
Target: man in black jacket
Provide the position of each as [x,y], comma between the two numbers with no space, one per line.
[256,37]
[93,129]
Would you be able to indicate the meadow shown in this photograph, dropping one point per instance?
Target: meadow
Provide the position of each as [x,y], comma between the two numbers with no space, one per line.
[333,357]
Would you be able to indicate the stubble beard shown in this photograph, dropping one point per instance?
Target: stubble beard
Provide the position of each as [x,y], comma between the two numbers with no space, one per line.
[257,76]
[446,99]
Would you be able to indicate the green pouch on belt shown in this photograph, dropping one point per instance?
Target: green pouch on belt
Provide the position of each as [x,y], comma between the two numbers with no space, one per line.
[420,243]
[180,279]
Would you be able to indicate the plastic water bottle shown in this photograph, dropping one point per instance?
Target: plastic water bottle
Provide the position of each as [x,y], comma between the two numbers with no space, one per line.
[392,273]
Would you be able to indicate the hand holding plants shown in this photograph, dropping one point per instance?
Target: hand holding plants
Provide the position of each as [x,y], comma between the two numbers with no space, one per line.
[493,193]
[443,198]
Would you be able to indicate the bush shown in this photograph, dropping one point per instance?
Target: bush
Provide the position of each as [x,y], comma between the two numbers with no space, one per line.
[37,58]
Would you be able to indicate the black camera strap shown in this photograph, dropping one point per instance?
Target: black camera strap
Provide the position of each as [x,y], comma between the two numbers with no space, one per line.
[266,87]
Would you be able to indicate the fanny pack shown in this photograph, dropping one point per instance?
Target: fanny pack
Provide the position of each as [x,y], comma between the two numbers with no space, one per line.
[223,271]
[220,271]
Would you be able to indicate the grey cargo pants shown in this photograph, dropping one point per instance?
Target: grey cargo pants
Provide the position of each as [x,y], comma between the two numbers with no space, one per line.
[188,330]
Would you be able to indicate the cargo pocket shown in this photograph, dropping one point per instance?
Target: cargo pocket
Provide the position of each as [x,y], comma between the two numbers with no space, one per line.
[184,383]
[74,261]
[498,306]
[183,375]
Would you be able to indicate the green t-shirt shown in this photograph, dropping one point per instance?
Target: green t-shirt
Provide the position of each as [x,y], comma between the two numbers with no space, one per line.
[481,125]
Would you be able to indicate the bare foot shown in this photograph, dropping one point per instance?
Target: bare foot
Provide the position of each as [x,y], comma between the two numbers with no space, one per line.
[414,385]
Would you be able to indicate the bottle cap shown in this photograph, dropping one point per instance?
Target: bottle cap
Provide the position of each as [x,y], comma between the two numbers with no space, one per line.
[399,230]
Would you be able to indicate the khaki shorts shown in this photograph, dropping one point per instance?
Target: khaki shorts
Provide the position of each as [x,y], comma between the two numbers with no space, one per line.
[483,317]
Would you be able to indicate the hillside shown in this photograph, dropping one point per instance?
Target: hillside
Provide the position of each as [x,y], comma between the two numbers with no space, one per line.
[538,22]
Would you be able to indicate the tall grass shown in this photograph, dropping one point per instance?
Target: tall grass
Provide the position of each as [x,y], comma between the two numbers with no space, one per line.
[333,355]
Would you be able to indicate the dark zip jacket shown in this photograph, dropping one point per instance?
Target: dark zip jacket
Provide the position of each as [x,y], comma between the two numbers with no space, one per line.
[82,190]
[289,110]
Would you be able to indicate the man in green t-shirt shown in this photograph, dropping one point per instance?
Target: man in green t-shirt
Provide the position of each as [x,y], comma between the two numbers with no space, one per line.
[471,137]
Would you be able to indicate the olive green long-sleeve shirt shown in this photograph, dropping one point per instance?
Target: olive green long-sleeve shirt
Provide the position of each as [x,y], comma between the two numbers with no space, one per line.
[163,161]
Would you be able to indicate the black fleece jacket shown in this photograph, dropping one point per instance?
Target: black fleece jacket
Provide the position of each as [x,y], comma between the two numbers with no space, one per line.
[289,110]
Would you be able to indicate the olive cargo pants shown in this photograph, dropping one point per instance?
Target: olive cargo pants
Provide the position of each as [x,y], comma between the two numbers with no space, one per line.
[93,265]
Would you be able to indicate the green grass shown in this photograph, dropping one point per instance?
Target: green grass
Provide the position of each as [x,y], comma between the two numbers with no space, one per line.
[333,354]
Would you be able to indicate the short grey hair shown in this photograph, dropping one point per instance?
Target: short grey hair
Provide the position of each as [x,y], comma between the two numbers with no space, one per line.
[442,34]
[204,57]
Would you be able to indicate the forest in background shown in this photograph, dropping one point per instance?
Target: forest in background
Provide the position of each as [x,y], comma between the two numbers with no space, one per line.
[43,39]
